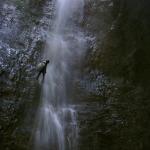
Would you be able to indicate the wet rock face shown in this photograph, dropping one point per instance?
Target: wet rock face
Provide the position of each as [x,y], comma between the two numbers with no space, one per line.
[22,28]
[120,50]
[9,21]
[98,124]
[120,32]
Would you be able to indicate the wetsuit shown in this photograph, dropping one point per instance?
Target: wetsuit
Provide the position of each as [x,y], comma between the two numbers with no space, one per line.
[43,70]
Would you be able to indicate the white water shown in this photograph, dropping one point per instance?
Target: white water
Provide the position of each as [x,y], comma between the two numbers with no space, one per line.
[56,124]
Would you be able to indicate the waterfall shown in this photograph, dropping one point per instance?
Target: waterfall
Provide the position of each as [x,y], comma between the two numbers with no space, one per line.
[56,124]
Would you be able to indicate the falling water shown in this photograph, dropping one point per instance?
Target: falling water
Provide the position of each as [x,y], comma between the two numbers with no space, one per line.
[56,124]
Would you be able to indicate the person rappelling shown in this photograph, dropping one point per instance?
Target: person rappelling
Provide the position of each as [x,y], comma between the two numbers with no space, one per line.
[41,68]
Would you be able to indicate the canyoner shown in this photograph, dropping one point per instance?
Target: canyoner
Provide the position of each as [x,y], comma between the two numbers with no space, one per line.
[41,68]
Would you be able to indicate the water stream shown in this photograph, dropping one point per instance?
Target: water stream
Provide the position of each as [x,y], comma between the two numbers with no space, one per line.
[56,124]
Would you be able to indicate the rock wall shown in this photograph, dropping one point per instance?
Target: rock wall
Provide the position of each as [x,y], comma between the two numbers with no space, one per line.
[22,27]
[119,51]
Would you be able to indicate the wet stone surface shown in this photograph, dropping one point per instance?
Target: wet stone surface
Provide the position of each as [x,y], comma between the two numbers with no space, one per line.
[21,44]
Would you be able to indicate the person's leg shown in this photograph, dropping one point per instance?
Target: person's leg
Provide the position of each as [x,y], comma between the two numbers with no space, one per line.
[43,75]
[38,75]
